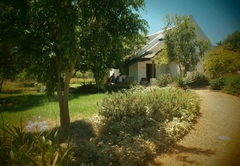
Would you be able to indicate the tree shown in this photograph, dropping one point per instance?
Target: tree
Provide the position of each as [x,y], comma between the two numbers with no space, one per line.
[221,62]
[224,60]
[8,63]
[232,42]
[57,35]
[181,45]
[10,15]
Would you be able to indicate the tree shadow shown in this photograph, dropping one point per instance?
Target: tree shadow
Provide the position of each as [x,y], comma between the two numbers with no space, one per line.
[192,150]
[21,102]
[81,129]
[132,141]
[187,151]
[17,102]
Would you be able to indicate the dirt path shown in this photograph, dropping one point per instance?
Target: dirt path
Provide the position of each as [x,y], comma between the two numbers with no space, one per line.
[215,139]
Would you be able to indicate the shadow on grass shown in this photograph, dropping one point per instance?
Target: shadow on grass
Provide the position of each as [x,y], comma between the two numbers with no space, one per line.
[22,102]
[81,129]
[17,102]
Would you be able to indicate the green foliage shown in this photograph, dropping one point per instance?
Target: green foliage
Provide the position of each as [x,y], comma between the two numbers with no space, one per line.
[162,57]
[84,75]
[199,80]
[156,103]
[164,79]
[227,84]
[232,42]
[135,126]
[182,80]
[129,82]
[32,104]
[181,45]
[221,63]
[218,83]
[8,63]
[88,89]
[17,147]
[54,38]
[232,85]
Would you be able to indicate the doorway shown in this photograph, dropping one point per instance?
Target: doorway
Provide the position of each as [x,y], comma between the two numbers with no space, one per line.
[149,71]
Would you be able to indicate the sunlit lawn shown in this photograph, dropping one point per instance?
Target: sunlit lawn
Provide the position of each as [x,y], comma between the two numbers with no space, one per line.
[33,106]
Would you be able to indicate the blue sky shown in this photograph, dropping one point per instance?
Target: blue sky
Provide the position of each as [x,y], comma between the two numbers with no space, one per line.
[217,18]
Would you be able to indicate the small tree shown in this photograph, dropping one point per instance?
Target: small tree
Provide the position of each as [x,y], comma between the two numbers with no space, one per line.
[55,36]
[232,42]
[221,62]
[224,60]
[181,45]
[9,67]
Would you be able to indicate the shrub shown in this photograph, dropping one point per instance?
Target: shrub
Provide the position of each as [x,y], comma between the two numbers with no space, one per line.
[199,80]
[218,83]
[221,63]
[182,81]
[232,85]
[26,84]
[157,103]
[129,82]
[88,88]
[164,79]
[136,125]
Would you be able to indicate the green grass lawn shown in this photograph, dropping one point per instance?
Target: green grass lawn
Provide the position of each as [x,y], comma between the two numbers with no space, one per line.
[33,106]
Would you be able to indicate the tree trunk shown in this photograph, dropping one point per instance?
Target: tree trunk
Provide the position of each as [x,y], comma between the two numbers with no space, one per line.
[63,104]
[1,83]
[63,98]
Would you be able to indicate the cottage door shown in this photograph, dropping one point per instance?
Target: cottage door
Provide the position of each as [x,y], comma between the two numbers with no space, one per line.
[149,71]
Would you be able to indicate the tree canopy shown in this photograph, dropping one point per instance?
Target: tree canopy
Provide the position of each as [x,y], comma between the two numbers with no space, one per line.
[181,44]
[9,68]
[231,42]
[224,60]
[54,37]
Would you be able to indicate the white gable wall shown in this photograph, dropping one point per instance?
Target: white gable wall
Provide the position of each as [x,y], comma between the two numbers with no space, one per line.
[173,69]
[133,71]
[138,69]
[142,69]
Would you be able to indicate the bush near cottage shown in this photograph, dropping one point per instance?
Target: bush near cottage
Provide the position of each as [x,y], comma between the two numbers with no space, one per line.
[229,84]
[232,85]
[199,80]
[217,83]
[164,79]
[134,126]
[131,129]
[221,63]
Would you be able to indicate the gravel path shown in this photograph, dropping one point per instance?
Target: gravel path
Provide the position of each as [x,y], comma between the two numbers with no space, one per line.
[215,139]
